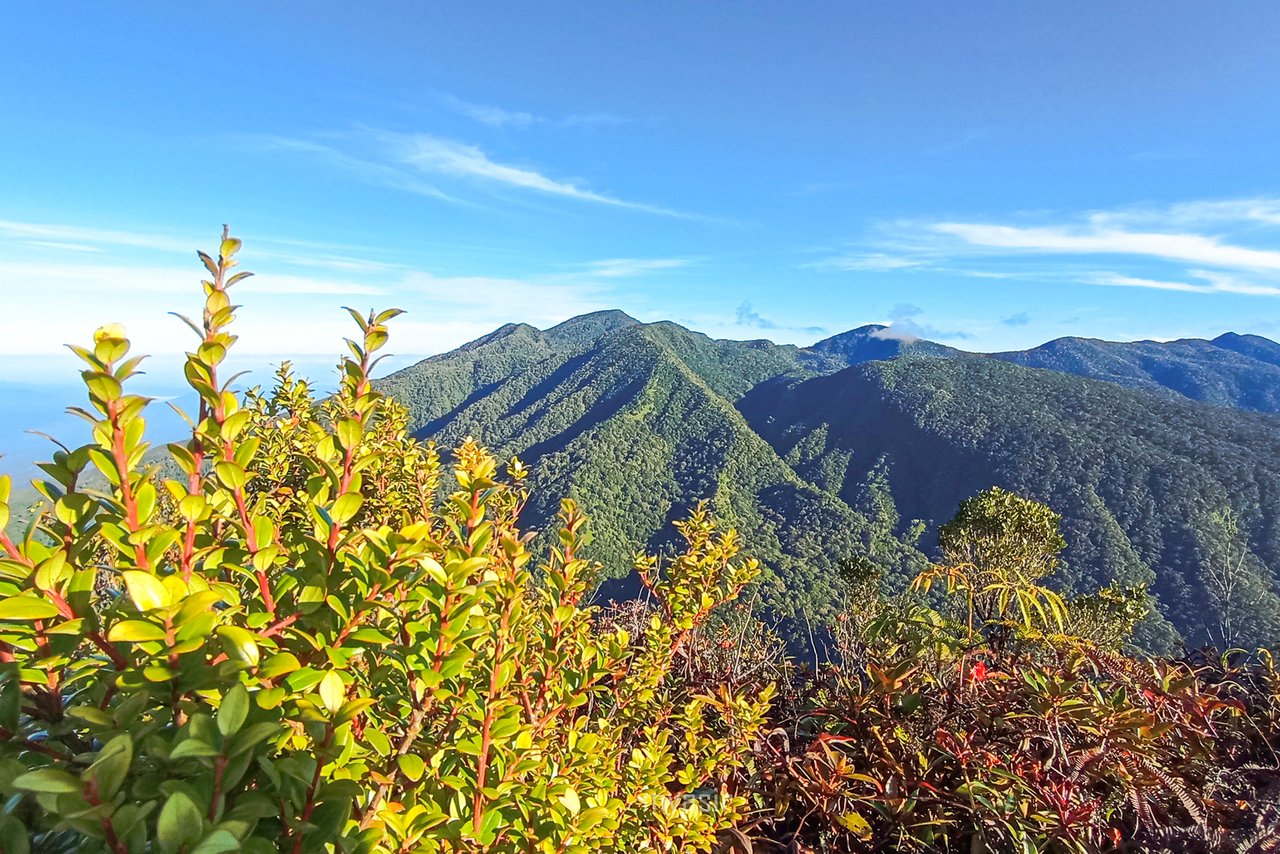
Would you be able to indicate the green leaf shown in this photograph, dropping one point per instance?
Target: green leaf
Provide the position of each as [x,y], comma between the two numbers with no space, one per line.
[570,801]
[411,765]
[192,748]
[346,507]
[269,698]
[353,708]
[180,823]
[378,741]
[239,644]
[231,475]
[14,838]
[137,631]
[145,590]
[333,693]
[112,765]
[278,665]
[253,735]
[191,506]
[102,385]
[213,354]
[349,432]
[50,572]
[217,842]
[48,780]
[27,608]
[233,711]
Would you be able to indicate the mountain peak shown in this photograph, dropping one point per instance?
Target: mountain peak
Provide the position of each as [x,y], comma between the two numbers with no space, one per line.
[875,341]
[588,327]
[1254,346]
[498,334]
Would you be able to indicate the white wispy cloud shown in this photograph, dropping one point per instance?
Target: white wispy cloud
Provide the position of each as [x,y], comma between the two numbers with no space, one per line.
[1231,284]
[905,325]
[491,115]
[62,237]
[1116,280]
[1210,246]
[54,235]
[369,171]
[610,268]
[436,155]
[501,117]
[282,313]
[875,262]
[401,160]
[496,297]
[62,246]
[1200,213]
[1195,248]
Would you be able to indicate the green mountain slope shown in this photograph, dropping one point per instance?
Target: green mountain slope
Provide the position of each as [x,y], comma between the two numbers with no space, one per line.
[1232,370]
[1136,476]
[640,421]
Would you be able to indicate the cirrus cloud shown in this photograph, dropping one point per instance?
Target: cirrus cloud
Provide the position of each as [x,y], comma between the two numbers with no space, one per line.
[1208,246]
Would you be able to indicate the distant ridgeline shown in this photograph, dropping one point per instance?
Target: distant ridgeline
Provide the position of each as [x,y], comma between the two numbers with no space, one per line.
[822,456]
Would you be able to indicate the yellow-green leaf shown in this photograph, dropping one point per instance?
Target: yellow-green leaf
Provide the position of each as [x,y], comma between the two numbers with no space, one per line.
[26,608]
[346,507]
[136,631]
[332,692]
[48,780]
[145,590]
[231,475]
[240,644]
[230,247]
[411,765]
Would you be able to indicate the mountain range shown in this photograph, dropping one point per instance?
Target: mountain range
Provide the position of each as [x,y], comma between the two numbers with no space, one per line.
[823,456]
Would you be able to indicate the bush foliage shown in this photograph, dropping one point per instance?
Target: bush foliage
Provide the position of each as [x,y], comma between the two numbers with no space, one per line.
[312,639]
[1001,718]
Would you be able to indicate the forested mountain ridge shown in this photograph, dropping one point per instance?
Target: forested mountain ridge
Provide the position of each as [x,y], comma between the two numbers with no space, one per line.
[637,421]
[807,450]
[1137,477]
[1231,370]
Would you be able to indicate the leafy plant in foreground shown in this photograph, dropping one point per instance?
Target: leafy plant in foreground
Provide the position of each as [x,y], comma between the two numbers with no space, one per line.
[295,644]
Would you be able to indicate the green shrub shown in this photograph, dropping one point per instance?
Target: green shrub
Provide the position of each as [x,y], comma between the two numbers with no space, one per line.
[298,641]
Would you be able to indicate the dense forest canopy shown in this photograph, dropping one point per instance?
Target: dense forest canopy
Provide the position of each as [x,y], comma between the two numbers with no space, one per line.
[814,451]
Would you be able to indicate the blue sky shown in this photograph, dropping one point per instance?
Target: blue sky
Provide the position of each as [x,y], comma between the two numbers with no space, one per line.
[990,174]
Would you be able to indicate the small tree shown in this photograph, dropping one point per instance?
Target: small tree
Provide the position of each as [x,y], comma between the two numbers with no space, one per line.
[1232,579]
[293,644]
[997,550]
